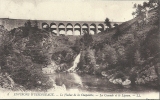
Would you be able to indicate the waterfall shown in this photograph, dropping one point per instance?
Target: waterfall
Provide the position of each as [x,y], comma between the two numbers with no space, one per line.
[76,61]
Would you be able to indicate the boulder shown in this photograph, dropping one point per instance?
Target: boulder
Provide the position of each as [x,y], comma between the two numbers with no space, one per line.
[126,82]
[103,73]
[149,75]
[116,81]
[111,80]
[48,70]
[140,81]
[147,79]
[119,81]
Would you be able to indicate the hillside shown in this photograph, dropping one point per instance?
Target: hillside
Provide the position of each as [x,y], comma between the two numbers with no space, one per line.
[130,52]
[25,51]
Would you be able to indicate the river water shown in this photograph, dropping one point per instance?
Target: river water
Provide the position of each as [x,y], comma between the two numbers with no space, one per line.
[92,83]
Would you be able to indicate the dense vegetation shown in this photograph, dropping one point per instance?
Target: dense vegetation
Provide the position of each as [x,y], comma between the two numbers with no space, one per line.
[127,52]
[25,51]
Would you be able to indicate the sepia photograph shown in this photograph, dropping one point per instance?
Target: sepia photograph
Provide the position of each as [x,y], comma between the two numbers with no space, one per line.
[79,49]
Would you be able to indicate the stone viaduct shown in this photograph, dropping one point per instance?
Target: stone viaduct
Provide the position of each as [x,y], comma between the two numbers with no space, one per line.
[60,27]
[75,27]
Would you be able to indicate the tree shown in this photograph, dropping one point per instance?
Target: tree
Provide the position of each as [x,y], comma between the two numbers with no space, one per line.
[115,25]
[36,24]
[139,9]
[117,33]
[107,22]
[145,4]
[137,58]
[86,40]
[27,24]
[133,13]
[153,3]
[109,55]
[77,46]
[135,6]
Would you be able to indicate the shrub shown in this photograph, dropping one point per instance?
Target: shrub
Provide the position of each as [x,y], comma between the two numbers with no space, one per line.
[99,59]
[86,40]
[137,58]
[126,39]
[117,33]
[64,56]
[109,55]
[91,58]
[150,46]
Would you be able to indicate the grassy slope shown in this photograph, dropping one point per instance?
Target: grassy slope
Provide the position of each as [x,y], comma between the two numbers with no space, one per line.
[126,27]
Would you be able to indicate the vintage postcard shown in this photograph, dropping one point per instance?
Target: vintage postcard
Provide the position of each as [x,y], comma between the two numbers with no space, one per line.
[79,49]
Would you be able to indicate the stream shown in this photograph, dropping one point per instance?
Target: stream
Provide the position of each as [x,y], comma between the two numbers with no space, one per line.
[92,83]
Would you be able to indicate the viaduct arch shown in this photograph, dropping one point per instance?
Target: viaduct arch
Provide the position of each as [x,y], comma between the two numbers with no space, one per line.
[74,27]
[60,27]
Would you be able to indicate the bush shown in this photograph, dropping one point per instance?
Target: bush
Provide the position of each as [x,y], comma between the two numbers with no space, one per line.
[121,55]
[130,51]
[65,56]
[137,58]
[86,40]
[32,78]
[127,39]
[98,55]
[150,46]
[117,33]
[109,55]
[90,59]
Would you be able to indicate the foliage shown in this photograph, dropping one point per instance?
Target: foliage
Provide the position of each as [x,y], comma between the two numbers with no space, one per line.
[133,13]
[90,58]
[109,55]
[141,8]
[6,81]
[20,58]
[153,3]
[36,24]
[77,46]
[117,33]
[99,58]
[107,22]
[65,56]
[82,64]
[137,58]
[130,51]
[126,39]
[86,40]
[28,24]
[88,61]
[150,46]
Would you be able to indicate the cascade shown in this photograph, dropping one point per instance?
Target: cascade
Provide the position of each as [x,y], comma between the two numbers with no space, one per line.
[76,61]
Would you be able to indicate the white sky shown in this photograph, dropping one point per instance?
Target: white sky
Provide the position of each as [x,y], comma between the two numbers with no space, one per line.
[68,10]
